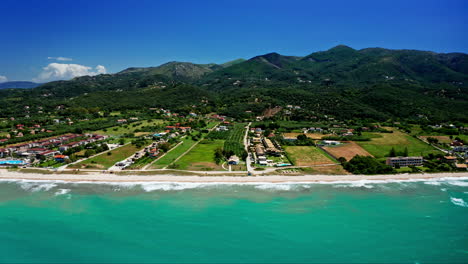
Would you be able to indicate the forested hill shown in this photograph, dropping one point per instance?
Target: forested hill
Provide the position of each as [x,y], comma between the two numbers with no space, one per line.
[373,83]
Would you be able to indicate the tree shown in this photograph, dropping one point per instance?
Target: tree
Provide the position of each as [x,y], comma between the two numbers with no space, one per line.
[405,152]
[342,160]
[164,146]
[89,152]
[218,155]
[392,152]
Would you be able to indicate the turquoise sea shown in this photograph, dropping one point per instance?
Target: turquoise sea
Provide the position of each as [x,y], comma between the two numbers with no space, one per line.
[394,222]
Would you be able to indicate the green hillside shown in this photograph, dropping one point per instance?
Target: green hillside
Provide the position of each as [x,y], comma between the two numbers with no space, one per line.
[372,83]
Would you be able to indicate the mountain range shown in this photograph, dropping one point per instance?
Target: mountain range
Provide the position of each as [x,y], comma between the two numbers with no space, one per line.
[374,83]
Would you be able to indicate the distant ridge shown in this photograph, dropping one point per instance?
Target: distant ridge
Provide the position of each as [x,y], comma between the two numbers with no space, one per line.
[18,85]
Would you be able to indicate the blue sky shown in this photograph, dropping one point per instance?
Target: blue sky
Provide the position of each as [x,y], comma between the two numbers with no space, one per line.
[114,35]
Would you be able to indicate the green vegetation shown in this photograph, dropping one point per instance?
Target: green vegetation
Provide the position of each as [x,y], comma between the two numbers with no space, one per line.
[107,160]
[380,147]
[173,154]
[374,84]
[125,129]
[201,157]
[234,144]
[307,156]
[141,162]
[367,165]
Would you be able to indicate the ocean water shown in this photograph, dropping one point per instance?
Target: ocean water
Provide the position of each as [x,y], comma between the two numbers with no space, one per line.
[410,222]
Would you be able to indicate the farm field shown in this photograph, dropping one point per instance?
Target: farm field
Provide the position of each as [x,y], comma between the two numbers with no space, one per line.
[173,154]
[316,136]
[235,142]
[104,160]
[379,147]
[201,157]
[442,139]
[307,155]
[347,150]
[128,128]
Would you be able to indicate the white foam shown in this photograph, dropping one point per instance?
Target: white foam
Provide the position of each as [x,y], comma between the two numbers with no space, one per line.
[458,183]
[437,183]
[172,186]
[274,186]
[34,186]
[458,201]
[356,184]
[45,185]
[62,192]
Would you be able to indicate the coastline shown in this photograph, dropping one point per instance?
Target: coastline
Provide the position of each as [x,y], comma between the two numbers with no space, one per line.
[96,177]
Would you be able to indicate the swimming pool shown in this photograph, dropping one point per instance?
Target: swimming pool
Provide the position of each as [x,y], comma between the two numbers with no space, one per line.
[11,162]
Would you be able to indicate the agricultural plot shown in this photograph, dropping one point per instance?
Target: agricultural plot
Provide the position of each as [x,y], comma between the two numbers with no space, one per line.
[307,156]
[347,150]
[201,157]
[107,160]
[442,139]
[315,136]
[380,147]
[235,140]
[129,128]
[173,154]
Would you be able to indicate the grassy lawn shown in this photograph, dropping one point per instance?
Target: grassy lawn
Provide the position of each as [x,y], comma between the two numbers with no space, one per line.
[379,147]
[169,157]
[307,155]
[201,157]
[141,162]
[105,161]
[51,163]
[128,128]
[211,124]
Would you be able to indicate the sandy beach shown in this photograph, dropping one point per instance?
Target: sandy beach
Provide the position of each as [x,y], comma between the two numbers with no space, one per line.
[96,177]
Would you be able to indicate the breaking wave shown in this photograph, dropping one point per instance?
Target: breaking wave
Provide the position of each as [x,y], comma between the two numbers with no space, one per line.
[458,201]
[63,187]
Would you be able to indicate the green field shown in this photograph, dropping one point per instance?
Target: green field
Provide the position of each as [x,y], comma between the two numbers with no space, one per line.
[235,141]
[173,154]
[201,157]
[141,162]
[380,147]
[105,161]
[307,156]
[211,124]
[120,130]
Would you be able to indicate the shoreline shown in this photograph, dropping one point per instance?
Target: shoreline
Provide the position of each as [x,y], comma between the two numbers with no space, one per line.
[106,178]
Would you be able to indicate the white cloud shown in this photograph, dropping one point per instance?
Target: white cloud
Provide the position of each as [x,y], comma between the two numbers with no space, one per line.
[3,79]
[60,58]
[60,71]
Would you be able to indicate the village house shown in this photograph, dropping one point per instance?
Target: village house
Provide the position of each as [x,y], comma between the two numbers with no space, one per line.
[450,159]
[233,160]
[405,161]
[4,152]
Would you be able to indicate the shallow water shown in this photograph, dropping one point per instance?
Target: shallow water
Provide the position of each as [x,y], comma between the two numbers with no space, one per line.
[194,222]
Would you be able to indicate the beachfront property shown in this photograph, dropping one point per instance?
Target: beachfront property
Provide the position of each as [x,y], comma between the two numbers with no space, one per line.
[49,147]
[405,161]
[233,160]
